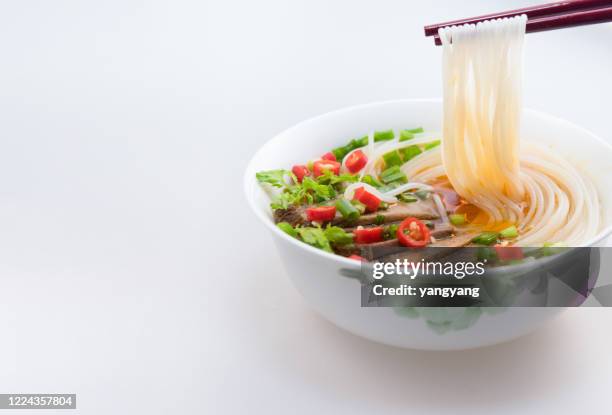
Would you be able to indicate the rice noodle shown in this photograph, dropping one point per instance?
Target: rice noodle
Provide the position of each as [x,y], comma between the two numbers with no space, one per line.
[391,146]
[480,155]
[409,186]
[441,208]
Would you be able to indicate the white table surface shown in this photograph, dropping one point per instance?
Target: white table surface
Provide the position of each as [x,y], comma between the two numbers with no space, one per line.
[133,273]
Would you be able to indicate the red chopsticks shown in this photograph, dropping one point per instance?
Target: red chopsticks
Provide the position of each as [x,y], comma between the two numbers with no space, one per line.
[544,17]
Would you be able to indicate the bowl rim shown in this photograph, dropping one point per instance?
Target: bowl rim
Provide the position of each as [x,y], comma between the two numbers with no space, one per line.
[249,178]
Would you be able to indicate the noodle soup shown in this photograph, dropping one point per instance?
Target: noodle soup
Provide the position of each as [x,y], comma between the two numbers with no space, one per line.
[474,183]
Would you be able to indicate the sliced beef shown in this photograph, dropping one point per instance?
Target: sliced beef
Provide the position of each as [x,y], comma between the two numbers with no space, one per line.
[295,215]
[392,246]
[423,209]
[458,241]
[439,249]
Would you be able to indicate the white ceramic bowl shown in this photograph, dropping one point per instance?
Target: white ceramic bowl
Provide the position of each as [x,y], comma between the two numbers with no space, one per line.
[316,274]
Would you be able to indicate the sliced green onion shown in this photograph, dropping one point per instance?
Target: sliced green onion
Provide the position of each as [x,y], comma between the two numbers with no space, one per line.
[397,177]
[347,210]
[287,228]
[392,158]
[359,142]
[392,174]
[431,145]
[509,233]
[379,219]
[383,135]
[383,206]
[486,238]
[457,219]
[422,194]
[371,181]
[410,152]
[389,171]
[409,134]
[359,206]
[407,198]
[486,254]
[390,232]
[406,135]
[553,245]
[551,248]
[339,152]
[342,151]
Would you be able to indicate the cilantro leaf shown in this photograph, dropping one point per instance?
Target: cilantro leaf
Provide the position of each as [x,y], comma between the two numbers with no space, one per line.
[337,235]
[275,178]
[315,237]
[330,178]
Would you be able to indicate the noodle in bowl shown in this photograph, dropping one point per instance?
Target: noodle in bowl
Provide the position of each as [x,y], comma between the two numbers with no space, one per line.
[317,275]
[482,157]
[515,174]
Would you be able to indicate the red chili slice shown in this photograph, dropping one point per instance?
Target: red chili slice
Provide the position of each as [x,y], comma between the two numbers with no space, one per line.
[370,201]
[300,171]
[321,213]
[368,235]
[508,253]
[356,161]
[329,156]
[322,165]
[413,233]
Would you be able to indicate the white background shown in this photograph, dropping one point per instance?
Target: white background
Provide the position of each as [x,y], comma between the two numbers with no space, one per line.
[133,273]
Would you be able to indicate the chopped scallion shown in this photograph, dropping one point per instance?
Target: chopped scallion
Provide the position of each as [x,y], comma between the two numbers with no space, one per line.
[347,210]
[389,171]
[390,232]
[392,174]
[359,206]
[359,142]
[457,219]
[422,194]
[509,233]
[339,152]
[371,181]
[486,238]
[410,152]
[407,198]
[431,145]
[409,134]
[392,158]
[406,135]
[383,135]
[551,248]
[486,254]
[342,151]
